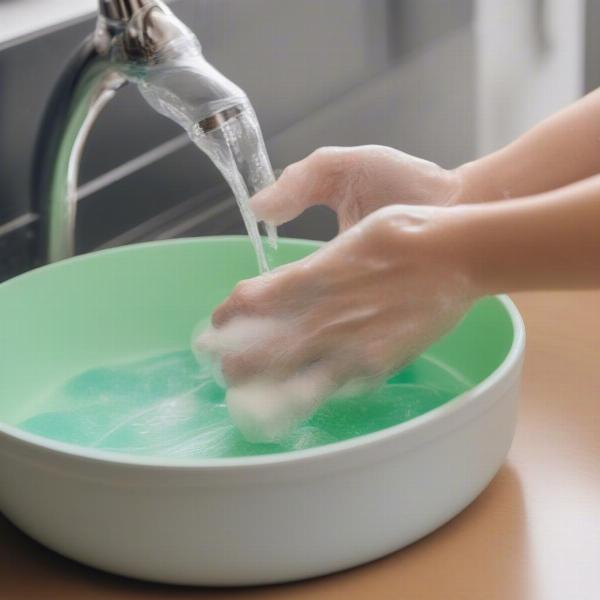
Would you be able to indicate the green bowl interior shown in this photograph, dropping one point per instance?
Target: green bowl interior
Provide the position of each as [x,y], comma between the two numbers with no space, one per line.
[107,307]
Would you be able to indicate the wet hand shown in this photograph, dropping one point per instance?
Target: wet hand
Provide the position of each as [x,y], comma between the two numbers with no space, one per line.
[354,182]
[356,310]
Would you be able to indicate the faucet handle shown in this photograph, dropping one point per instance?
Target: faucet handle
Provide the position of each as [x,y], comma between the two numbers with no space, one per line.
[144,28]
[121,10]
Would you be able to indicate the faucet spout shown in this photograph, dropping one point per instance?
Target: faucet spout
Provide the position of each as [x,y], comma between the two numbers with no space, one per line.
[135,40]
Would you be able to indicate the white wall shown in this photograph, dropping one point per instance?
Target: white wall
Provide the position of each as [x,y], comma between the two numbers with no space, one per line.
[23,17]
[530,63]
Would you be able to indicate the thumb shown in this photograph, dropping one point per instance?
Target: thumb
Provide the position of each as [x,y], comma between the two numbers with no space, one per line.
[300,186]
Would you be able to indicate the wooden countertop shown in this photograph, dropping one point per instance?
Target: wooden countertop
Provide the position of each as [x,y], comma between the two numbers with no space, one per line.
[533,534]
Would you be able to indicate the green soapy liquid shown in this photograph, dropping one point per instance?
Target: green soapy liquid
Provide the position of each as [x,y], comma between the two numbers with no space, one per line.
[170,406]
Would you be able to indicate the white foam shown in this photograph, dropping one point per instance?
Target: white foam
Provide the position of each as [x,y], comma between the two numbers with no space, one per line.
[263,408]
[269,411]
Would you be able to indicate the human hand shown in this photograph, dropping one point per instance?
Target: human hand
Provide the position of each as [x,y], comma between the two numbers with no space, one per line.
[352,313]
[355,182]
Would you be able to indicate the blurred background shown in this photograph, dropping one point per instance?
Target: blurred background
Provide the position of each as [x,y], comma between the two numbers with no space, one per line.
[448,80]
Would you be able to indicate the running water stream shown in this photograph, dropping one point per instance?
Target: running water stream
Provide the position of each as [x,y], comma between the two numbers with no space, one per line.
[228,132]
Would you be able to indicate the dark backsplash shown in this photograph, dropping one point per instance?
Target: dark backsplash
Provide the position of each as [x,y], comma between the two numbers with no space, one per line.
[293,58]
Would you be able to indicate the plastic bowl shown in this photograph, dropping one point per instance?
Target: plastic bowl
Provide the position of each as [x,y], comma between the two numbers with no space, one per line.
[229,521]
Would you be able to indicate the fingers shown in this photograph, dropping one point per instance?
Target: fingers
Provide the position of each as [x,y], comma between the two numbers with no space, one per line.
[276,359]
[243,301]
[251,347]
[301,185]
[270,294]
[277,350]
[250,297]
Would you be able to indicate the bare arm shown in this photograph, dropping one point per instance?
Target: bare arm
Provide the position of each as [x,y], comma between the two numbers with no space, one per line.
[547,241]
[561,150]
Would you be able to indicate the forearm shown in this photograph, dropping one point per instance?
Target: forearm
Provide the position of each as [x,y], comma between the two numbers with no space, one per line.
[561,150]
[548,241]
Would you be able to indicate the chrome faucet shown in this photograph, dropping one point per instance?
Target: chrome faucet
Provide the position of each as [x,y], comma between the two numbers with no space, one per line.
[133,39]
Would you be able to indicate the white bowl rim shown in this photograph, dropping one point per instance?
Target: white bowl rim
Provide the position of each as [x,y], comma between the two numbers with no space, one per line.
[426,420]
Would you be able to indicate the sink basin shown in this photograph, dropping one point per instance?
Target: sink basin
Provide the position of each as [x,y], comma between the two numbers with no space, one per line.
[238,520]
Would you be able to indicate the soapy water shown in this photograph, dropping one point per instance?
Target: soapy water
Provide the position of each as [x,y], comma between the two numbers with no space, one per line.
[170,406]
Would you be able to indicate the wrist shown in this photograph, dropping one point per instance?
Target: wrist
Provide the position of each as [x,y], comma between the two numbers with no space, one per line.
[462,226]
[471,241]
[495,246]
[476,183]
[452,238]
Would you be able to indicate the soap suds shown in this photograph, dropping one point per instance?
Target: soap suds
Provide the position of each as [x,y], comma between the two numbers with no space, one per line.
[264,409]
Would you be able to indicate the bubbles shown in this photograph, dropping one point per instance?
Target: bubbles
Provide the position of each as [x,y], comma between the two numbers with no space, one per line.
[168,405]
